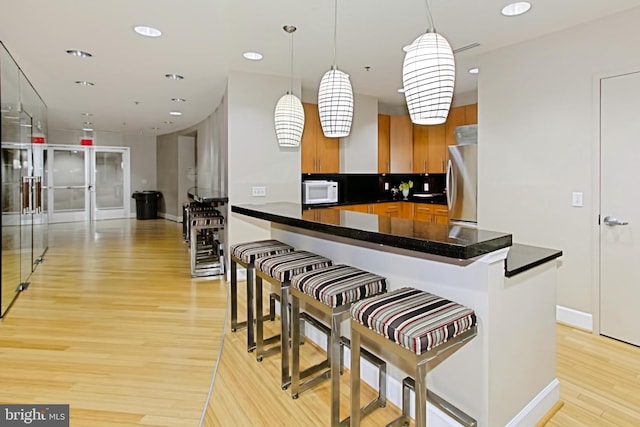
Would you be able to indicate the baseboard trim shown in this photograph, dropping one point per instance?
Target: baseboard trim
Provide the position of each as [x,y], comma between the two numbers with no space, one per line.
[578,319]
[173,218]
[543,422]
[538,408]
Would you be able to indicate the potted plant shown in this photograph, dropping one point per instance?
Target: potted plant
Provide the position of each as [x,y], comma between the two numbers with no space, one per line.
[404,187]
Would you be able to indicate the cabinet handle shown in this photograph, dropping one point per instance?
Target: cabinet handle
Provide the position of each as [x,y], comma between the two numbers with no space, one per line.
[442,166]
[319,165]
[442,211]
[388,167]
[425,167]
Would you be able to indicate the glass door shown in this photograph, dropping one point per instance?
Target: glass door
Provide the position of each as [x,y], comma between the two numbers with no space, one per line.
[68,178]
[110,186]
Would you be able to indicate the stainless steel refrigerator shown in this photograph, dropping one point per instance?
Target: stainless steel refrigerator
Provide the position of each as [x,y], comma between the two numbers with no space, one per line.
[462,177]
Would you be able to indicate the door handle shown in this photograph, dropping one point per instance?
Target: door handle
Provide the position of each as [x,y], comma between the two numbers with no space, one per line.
[613,221]
[449,184]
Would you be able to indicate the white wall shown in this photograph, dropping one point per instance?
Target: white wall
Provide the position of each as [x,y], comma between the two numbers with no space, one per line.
[537,141]
[359,151]
[254,156]
[186,169]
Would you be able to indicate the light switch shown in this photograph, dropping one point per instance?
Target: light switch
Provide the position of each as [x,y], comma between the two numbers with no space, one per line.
[259,191]
[576,199]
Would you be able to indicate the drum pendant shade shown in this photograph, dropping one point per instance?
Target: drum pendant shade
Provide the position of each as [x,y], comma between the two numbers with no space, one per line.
[289,120]
[335,104]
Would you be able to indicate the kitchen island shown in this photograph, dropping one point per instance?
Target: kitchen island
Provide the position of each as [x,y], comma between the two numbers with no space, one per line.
[504,376]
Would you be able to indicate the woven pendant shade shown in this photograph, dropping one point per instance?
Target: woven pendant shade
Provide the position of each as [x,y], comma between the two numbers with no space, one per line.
[335,104]
[428,77]
[289,121]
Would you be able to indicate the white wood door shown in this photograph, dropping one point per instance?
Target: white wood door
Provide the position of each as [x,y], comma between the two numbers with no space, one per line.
[620,207]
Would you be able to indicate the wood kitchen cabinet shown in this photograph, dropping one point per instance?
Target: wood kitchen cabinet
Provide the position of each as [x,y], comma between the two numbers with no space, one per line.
[319,154]
[460,116]
[393,209]
[435,214]
[429,148]
[401,144]
[384,148]
[330,216]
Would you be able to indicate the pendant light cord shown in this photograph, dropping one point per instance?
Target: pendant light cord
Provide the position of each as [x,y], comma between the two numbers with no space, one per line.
[335,31]
[432,27]
[291,62]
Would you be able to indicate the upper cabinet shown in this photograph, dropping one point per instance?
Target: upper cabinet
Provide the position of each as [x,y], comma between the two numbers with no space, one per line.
[429,149]
[384,148]
[319,154]
[460,116]
[401,144]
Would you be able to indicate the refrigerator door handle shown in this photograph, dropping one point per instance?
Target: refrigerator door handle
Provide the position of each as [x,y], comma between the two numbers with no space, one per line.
[449,184]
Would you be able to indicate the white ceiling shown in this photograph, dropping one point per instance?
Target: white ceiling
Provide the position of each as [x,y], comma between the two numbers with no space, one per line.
[204,39]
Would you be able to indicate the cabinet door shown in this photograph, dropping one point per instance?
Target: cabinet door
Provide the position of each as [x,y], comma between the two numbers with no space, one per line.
[423,212]
[401,143]
[327,153]
[407,210]
[471,114]
[329,216]
[440,214]
[420,148]
[308,143]
[388,209]
[436,149]
[456,118]
[384,158]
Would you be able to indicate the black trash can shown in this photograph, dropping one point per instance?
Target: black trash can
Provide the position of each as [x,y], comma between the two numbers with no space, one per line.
[146,204]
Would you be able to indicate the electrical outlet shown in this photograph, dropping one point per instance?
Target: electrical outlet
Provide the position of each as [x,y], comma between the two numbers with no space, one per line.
[258,191]
[386,186]
[425,186]
[576,199]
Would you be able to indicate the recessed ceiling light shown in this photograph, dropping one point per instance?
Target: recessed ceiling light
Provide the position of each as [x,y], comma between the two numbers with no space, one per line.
[178,99]
[168,122]
[401,90]
[155,128]
[252,56]
[79,53]
[88,123]
[517,8]
[175,113]
[143,30]
[84,83]
[87,114]
[87,129]
[172,76]
[473,70]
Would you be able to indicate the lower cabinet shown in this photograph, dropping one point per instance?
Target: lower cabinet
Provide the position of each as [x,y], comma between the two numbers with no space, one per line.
[331,216]
[436,214]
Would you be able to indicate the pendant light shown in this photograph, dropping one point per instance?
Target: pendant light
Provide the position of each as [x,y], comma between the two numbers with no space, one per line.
[335,96]
[428,77]
[289,115]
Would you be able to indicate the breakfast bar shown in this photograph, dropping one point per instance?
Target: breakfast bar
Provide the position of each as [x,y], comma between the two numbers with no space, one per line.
[507,374]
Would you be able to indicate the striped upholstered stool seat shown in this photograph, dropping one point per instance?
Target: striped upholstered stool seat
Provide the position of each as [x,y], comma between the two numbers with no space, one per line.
[414,319]
[249,251]
[278,270]
[420,328]
[329,292]
[245,254]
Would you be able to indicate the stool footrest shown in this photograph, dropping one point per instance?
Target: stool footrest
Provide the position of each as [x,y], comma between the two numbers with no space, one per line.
[445,406]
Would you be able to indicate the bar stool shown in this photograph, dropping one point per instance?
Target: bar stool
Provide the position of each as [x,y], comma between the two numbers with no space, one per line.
[278,271]
[206,251]
[245,254]
[330,292]
[417,328]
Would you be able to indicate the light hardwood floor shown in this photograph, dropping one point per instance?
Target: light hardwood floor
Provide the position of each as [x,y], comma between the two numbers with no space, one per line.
[114,325]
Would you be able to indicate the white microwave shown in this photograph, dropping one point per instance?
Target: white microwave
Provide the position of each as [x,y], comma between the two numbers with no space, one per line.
[316,192]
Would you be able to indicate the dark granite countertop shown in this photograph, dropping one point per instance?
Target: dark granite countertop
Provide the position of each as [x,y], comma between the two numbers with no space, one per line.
[206,195]
[453,241]
[525,257]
